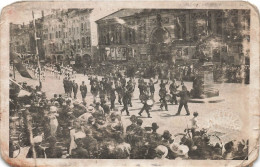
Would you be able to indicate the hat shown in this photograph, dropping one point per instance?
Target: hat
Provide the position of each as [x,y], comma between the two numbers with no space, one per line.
[53,109]
[179,149]
[68,100]
[90,108]
[166,134]
[155,126]
[162,151]
[133,118]
[37,139]
[139,121]
[56,103]
[195,114]
[112,115]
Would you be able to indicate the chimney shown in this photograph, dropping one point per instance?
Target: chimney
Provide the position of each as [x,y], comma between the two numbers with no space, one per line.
[42,14]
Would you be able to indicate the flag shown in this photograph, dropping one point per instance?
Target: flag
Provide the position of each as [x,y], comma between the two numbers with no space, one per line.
[18,65]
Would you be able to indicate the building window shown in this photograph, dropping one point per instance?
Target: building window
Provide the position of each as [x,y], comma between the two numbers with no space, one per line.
[83,42]
[59,34]
[78,44]
[88,41]
[82,27]
[75,44]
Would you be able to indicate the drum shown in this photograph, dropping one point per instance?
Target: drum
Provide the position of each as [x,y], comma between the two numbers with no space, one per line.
[168,97]
[149,102]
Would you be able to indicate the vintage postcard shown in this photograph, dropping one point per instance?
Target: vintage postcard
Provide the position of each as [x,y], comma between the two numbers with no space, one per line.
[153,83]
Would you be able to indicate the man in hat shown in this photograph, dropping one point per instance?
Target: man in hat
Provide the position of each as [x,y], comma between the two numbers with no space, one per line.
[173,90]
[70,87]
[75,88]
[130,90]
[119,90]
[99,111]
[83,90]
[153,140]
[55,98]
[167,140]
[112,98]
[183,101]
[131,127]
[53,151]
[105,107]
[60,100]
[79,152]
[126,97]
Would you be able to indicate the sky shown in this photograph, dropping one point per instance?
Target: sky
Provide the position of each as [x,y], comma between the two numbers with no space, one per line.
[25,16]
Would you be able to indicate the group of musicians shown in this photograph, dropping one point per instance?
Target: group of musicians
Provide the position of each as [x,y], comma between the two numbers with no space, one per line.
[109,86]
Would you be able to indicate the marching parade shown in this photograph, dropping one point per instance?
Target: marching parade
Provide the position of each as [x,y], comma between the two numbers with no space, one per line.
[129,97]
[69,126]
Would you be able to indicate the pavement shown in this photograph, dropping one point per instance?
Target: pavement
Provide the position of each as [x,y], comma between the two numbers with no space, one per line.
[226,118]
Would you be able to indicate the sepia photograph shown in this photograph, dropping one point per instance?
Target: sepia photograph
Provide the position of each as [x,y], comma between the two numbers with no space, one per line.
[131,82]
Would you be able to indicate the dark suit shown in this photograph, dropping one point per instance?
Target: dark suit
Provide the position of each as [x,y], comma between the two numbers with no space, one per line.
[83,90]
[183,101]
[75,89]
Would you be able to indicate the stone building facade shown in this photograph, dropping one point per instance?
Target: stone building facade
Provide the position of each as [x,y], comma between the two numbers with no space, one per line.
[171,35]
[67,36]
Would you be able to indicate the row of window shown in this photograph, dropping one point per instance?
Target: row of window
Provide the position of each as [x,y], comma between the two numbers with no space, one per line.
[75,44]
[122,35]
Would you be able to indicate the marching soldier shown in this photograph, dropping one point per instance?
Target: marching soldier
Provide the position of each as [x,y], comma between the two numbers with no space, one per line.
[173,90]
[75,89]
[146,107]
[119,90]
[151,86]
[70,87]
[112,97]
[130,89]
[83,90]
[183,101]
[163,101]
[153,140]
[126,97]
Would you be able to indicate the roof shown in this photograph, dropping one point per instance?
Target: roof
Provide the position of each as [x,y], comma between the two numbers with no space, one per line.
[122,13]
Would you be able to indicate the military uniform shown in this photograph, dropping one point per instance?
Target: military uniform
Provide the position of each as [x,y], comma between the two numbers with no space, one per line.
[130,89]
[163,101]
[126,98]
[183,101]
[146,107]
[173,90]
[75,89]
[83,90]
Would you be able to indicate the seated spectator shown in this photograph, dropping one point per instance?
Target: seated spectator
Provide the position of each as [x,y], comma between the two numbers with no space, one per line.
[79,152]
[53,151]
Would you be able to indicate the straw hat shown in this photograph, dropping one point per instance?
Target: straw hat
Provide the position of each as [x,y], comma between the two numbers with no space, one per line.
[53,109]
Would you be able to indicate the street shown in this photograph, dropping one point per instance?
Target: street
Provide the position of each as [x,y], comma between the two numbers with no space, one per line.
[224,117]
